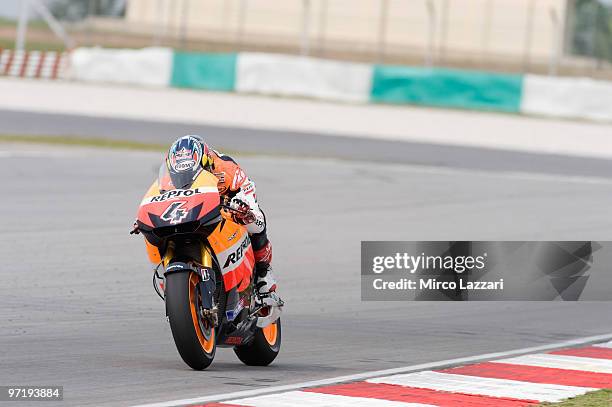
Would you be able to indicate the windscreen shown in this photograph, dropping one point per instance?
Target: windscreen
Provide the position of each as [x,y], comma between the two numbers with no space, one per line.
[169,179]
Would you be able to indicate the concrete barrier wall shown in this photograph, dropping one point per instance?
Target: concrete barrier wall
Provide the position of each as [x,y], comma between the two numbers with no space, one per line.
[294,76]
[146,67]
[204,71]
[581,98]
[286,75]
[447,88]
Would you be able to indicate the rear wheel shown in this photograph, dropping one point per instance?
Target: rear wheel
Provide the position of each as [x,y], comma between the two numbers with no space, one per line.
[264,348]
[193,336]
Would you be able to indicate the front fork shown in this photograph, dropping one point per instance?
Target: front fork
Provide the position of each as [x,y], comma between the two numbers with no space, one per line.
[207,285]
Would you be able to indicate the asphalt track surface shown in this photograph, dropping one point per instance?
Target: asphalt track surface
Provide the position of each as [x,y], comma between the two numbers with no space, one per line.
[303,144]
[78,309]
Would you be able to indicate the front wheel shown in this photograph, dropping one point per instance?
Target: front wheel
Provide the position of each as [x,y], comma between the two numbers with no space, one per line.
[193,336]
[264,348]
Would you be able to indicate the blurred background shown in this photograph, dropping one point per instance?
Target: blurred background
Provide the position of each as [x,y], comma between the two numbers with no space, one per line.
[359,120]
[568,37]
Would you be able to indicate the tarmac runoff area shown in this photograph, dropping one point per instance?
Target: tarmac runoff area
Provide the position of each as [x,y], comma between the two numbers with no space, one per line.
[189,109]
[79,310]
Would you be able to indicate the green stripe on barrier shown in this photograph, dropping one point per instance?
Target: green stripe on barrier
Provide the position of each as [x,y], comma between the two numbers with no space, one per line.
[447,88]
[204,71]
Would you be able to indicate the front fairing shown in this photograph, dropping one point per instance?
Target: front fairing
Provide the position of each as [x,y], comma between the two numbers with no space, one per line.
[166,211]
[163,205]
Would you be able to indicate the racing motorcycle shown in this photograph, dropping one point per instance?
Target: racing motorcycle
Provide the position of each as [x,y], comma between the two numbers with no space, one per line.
[205,272]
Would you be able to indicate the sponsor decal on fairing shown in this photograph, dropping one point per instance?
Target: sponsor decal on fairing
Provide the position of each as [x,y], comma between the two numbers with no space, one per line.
[178,193]
[232,257]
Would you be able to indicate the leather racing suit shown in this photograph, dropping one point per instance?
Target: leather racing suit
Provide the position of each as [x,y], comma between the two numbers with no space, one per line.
[240,193]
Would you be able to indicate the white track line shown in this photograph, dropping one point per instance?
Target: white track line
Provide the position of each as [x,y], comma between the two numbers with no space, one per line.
[303,398]
[57,151]
[378,373]
[425,169]
[562,362]
[484,386]
[34,154]
[493,174]
[604,345]
[84,151]
[518,175]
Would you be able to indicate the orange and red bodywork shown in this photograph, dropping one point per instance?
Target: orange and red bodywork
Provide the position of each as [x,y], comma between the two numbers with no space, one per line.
[196,210]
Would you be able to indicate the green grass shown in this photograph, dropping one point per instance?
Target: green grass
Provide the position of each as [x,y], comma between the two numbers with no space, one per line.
[76,141]
[84,142]
[601,398]
[37,27]
[8,43]
[8,22]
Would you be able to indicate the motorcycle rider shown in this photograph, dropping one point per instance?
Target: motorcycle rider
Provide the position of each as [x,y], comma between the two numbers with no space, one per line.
[238,191]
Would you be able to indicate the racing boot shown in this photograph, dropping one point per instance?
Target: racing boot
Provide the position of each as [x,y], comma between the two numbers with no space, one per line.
[271,304]
[265,283]
[264,279]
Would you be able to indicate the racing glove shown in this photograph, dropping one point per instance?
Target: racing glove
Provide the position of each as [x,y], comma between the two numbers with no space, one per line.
[241,212]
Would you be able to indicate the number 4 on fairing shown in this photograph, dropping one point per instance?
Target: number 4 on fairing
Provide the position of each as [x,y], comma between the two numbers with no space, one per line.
[175,212]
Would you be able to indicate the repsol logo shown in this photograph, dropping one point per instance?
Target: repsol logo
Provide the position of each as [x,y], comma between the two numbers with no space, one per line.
[237,255]
[177,193]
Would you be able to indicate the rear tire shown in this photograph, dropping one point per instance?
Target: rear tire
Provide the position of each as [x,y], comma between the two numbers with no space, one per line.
[264,348]
[194,340]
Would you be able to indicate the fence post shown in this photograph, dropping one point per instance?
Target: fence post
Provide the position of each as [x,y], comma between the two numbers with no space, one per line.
[227,21]
[597,57]
[158,26]
[22,26]
[555,55]
[322,25]
[444,30]
[184,22]
[486,29]
[242,12]
[431,13]
[528,35]
[382,29]
[91,10]
[305,37]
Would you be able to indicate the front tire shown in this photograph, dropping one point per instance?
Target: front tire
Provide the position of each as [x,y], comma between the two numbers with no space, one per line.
[264,348]
[194,338]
